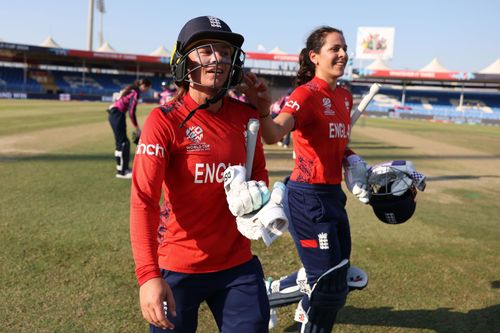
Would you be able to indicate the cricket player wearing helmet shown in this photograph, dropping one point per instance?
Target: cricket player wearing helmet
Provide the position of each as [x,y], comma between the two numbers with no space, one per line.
[318,114]
[184,149]
[126,103]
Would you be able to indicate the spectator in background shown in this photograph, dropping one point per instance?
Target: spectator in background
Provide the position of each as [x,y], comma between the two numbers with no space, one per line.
[168,92]
[126,102]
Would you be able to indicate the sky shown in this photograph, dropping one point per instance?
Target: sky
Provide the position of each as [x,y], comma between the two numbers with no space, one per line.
[463,35]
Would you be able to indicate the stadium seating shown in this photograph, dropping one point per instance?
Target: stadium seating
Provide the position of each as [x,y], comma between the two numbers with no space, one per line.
[12,79]
[55,82]
[424,103]
[437,104]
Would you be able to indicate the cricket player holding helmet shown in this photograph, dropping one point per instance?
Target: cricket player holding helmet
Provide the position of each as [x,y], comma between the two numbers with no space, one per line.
[184,149]
[318,114]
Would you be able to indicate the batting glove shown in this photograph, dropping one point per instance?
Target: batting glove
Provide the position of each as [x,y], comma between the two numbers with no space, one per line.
[268,223]
[356,177]
[243,197]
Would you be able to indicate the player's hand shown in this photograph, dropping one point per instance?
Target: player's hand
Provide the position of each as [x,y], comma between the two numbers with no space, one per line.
[243,197]
[270,222]
[356,177]
[152,294]
[136,135]
[257,93]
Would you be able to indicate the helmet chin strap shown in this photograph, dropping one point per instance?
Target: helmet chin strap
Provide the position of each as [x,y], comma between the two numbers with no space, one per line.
[208,101]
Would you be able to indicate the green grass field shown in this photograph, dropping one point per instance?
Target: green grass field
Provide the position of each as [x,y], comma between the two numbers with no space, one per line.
[65,256]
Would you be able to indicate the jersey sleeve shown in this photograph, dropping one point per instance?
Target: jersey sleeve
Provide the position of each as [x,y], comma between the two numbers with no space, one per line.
[134,99]
[297,105]
[150,161]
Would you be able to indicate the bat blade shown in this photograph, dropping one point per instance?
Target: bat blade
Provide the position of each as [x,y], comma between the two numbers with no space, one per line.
[374,89]
[252,133]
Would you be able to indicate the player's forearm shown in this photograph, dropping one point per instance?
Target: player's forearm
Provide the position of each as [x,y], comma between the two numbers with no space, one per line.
[143,237]
[270,131]
[133,117]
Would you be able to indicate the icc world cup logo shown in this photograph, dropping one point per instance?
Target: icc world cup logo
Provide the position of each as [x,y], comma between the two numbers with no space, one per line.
[195,134]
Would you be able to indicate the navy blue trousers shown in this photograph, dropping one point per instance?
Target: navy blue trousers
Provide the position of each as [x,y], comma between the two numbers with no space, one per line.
[236,297]
[319,226]
[122,143]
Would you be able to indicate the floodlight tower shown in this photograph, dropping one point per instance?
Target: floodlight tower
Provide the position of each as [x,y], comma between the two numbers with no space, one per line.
[101,9]
[90,31]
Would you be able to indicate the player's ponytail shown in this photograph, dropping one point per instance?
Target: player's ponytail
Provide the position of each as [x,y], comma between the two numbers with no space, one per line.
[182,90]
[314,43]
[306,69]
[145,81]
[135,86]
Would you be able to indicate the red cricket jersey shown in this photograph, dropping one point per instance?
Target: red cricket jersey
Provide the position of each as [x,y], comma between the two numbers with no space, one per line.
[321,132]
[200,233]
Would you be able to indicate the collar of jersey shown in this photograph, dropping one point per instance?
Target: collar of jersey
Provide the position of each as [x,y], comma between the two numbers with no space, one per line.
[189,102]
[323,84]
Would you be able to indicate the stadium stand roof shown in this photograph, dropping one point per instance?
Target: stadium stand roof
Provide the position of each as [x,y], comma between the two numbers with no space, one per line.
[50,42]
[162,51]
[493,68]
[107,48]
[378,64]
[434,66]
[35,55]
[32,56]
[277,50]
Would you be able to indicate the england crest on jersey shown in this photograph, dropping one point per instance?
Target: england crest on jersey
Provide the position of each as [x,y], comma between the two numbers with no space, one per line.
[347,104]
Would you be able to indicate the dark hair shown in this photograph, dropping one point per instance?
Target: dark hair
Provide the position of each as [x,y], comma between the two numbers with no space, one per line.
[181,91]
[314,42]
[135,86]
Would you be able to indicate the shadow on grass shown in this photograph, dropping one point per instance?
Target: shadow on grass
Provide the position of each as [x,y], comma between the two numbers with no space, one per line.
[57,157]
[429,157]
[374,146]
[459,177]
[442,320]
[390,152]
